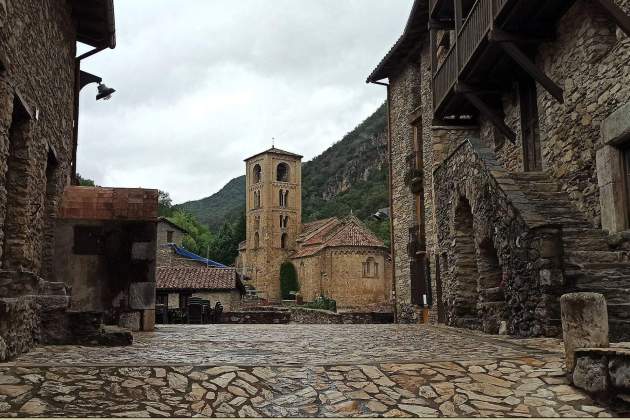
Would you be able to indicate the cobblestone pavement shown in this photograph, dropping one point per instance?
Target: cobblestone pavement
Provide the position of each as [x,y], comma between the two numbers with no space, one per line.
[297,370]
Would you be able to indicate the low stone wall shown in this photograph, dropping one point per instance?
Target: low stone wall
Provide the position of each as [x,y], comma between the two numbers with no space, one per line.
[605,373]
[256,317]
[19,326]
[319,316]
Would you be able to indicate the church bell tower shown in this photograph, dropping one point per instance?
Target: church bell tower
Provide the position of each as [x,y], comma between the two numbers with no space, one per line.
[273,184]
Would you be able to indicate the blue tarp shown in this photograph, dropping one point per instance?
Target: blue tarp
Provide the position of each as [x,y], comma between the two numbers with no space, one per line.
[192,256]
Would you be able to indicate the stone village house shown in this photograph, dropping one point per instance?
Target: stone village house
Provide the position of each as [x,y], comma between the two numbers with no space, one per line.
[40,80]
[181,274]
[509,142]
[339,258]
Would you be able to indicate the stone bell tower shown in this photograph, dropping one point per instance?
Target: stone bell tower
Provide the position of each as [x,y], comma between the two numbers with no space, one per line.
[274,216]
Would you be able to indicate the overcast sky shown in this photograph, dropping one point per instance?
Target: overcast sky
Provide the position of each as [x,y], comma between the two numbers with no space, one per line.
[203,84]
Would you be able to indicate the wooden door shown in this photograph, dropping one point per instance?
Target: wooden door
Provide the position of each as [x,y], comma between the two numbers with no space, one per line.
[532,159]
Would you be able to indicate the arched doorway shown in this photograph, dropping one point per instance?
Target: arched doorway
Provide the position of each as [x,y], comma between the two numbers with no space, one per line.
[491,296]
[465,290]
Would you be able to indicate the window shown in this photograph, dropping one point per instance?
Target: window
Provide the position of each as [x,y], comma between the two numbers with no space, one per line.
[284,221]
[281,198]
[282,172]
[257,201]
[169,236]
[88,240]
[532,158]
[284,241]
[161,299]
[286,198]
[370,268]
[256,240]
[257,174]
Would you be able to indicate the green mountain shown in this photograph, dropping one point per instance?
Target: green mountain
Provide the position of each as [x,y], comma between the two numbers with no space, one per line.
[224,205]
[351,175]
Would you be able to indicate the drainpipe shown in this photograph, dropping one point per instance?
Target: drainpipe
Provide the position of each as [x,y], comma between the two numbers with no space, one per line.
[391,197]
[77,90]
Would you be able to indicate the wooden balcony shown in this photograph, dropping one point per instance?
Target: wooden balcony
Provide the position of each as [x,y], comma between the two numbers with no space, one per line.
[493,46]
[469,38]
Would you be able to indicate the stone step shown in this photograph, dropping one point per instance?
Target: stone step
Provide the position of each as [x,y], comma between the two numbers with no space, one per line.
[600,257]
[619,311]
[619,330]
[613,295]
[530,176]
[539,186]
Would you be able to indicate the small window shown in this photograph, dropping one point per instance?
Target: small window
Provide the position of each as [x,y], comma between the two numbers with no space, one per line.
[282,172]
[370,268]
[161,299]
[284,239]
[169,236]
[281,198]
[88,240]
[256,240]
[286,198]
[257,174]
[257,200]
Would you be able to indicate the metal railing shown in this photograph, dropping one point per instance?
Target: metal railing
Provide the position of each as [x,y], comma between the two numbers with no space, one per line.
[471,34]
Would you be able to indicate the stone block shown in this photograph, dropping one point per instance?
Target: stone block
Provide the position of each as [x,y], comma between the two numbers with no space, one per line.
[619,369]
[617,126]
[143,251]
[142,295]
[613,214]
[591,374]
[608,160]
[584,323]
[148,320]
[130,321]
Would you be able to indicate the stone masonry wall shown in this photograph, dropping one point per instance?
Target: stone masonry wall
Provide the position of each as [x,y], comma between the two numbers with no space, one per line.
[471,184]
[404,98]
[588,59]
[38,39]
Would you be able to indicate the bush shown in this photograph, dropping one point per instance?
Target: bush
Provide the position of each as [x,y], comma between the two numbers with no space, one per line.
[288,280]
[322,302]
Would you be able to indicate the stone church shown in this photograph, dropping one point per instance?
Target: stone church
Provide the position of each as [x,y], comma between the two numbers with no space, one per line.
[509,138]
[338,258]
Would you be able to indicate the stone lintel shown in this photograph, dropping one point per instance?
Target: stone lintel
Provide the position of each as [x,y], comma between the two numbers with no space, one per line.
[616,128]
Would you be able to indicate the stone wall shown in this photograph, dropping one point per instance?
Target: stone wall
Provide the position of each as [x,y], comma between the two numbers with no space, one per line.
[38,39]
[318,316]
[501,260]
[605,374]
[162,234]
[405,98]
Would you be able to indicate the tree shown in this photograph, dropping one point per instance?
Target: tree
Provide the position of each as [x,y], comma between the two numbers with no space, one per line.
[288,280]
[85,182]
[165,204]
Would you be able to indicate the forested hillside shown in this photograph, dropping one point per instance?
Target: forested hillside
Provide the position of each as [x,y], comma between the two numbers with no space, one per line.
[351,175]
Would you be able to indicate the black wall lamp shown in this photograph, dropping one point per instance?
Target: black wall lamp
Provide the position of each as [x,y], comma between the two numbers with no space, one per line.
[104,92]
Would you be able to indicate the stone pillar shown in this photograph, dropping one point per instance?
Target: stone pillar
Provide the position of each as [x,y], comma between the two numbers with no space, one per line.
[6,116]
[584,323]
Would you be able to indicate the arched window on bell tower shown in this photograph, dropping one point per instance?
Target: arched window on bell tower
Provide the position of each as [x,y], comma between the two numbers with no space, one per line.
[257,174]
[286,198]
[282,172]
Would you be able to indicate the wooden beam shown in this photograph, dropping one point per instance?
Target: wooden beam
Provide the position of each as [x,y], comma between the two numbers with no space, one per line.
[617,14]
[528,65]
[497,35]
[488,112]
[444,25]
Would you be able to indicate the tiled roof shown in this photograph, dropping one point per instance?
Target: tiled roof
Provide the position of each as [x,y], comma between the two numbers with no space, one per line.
[196,278]
[276,151]
[336,233]
[416,28]
[99,203]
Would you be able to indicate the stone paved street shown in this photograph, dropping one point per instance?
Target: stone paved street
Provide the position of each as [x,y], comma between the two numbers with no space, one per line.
[297,370]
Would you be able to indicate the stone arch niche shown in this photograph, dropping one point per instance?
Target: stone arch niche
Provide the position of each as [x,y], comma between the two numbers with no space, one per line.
[491,288]
[282,172]
[464,296]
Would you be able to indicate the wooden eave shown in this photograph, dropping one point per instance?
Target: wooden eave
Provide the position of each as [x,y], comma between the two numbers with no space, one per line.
[95,22]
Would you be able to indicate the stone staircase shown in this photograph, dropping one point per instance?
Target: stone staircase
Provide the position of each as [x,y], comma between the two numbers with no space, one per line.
[590,264]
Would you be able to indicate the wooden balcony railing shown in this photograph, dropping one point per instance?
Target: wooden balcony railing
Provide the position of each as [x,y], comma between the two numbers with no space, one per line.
[445,77]
[472,32]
